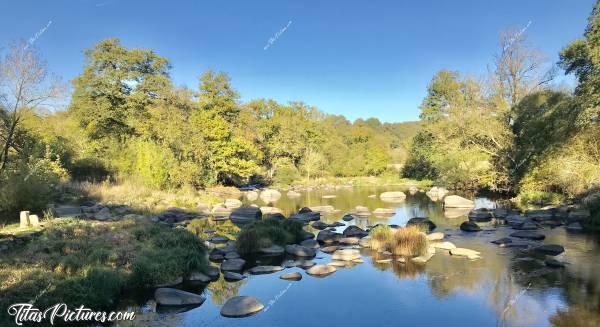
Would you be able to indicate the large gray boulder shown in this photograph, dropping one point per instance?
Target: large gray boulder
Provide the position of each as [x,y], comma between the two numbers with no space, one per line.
[171,296]
[233,265]
[241,306]
[455,201]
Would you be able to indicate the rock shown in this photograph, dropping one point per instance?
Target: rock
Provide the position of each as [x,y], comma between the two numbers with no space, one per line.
[421,222]
[220,212]
[384,212]
[574,227]
[67,212]
[527,225]
[241,306]
[232,255]
[323,209]
[103,214]
[359,260]
[550,249]
[245,215]
[171,296]
[329,249]
[270,210]
[307,235]
[502,241]
[252,195]
[444,245]
[233,265]
[345,255]
[328,237]
[469,226]
[553,263]
[218,239]
[435,236]
[34,220]
[480,215]
[272,250]
[200,277]
[455,201]
[306,217]
[471,254]
[354,231]
[392,197]
[338,263]
[233,276]
[539,215]
[270,195]
[348,217]
[515,220]
[421,259]
[304,210]
[300,251]
[305,264]
[24,219]
[453,213]
[260,270]
[320,225]
[365,242]
[436,193]
[313,244]
[295,276]
[321,270]
[213,272]
[532,235]
[293,194]
[401,260]
[349,240]
[233,203]
[382,260]
[170,283]
[578,215]
[274,216]
[329,196]
[362,211]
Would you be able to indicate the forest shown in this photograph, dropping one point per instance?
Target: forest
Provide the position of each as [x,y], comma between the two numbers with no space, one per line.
[513,130]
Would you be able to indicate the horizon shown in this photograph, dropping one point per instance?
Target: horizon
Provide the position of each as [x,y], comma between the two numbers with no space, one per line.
[306,52]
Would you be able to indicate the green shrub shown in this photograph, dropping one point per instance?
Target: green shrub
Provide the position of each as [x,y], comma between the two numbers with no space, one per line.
[526,198]
[267,232]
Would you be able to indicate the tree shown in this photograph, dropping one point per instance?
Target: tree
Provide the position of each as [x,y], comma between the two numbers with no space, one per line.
[112,95]
[24,84]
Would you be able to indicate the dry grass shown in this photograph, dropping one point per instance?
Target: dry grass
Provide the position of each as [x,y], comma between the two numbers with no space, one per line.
[145,198]
[408,241]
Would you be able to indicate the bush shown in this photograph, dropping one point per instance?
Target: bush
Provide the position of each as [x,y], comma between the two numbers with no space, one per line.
[268,232]
[539,198]
[381,237]
[407,241]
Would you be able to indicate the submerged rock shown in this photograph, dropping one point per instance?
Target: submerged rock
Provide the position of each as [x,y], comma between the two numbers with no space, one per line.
[421,259]
[532,235]
[480,215]
[241,306]
[550,249]
[384,212]
[469,226]
[330,249]
[171,296]
[574,227]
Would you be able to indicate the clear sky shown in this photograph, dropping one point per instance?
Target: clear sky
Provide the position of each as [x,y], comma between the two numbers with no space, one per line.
[363,58]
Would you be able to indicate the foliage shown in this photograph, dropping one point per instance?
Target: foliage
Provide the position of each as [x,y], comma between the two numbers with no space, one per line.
[265,233]
[406,241]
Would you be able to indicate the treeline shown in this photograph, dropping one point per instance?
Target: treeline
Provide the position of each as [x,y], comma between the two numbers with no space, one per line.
[514,130]
[126,120]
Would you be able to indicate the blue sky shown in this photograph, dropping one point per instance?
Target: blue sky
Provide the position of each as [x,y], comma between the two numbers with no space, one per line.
[364,58]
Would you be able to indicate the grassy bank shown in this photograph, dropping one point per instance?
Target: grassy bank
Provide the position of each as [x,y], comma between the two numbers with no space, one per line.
[91,263]
[383,180]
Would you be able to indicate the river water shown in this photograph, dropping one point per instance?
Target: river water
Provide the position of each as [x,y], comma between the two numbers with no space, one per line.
[507,287]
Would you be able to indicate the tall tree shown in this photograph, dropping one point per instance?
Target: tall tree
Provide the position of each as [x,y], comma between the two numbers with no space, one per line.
[24,84]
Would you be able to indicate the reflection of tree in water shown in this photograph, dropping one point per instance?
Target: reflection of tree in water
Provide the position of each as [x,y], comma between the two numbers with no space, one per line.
[222,290]
[407,270]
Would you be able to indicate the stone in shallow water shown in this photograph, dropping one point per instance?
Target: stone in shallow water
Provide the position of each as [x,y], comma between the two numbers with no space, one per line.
[502,241]
[241,306]
[260,270]
[349,240]
[471,254]
[273,250]
[321,270]
[550,249]
[233,265]
[296,276]
[300,251]
[437,236]
[213,272]
[532,235]
[233,276]
[337,263]
[171,296]
[346,255]
[421,222]
[422,259]
[444,245]
[574,227]
[348,217]
[313,244]
[200,277]
[329,249]
[354,231]
[469,226]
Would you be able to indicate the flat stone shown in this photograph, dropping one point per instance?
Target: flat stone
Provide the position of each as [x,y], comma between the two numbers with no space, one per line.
[435,236]
[455,201]
[321,270]
[200,277]
[384,212]
[232,255]
[532,235]
[574,227]
[346,255]
[218,239]
[233,276]
[261,270]
[338,263]
[300,251]
[329,249]
[171,296]
[313,244]
[233,265]
[444,245]
[349,240]
[241,306]
[382,260]
[471,254]
[296,276]
[422,259]
[273,250]
[550,249]
[365,242]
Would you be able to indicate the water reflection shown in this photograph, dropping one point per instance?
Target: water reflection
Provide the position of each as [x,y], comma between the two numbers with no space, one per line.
[507,287]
